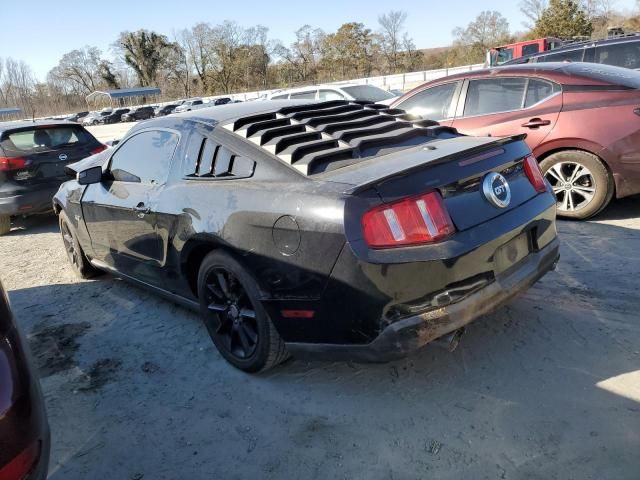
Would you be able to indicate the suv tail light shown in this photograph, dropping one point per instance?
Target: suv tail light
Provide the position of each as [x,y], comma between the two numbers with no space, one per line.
[12,163]
[534,174]
[99,149]
[411,221]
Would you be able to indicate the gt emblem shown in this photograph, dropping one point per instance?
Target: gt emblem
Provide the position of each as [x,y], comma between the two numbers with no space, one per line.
[62,157]
[496,190]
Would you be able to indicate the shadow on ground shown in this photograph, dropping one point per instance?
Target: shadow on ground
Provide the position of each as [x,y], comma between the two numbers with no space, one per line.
[517,399]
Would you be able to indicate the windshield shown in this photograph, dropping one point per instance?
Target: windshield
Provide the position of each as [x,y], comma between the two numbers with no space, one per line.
[504,55]
[368,93]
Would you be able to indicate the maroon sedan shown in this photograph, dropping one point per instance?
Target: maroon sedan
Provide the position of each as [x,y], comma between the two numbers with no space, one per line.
[24,431]
[582,122]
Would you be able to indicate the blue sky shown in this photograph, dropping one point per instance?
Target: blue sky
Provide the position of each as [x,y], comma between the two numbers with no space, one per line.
[41,31]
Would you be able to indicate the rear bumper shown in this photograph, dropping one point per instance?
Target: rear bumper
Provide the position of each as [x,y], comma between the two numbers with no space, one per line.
[409,334]
[29,200]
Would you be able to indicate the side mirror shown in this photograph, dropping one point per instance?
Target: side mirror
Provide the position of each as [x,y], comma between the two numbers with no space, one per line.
[90,175]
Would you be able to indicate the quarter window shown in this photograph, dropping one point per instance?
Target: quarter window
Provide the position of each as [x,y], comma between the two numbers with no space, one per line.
[538,90]
[145,157]
[433,103]
[494,95]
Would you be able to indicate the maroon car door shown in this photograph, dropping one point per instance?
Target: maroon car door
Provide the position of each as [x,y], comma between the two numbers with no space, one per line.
[502,106]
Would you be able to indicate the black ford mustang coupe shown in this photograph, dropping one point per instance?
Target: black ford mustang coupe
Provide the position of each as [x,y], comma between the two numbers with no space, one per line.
[338,229]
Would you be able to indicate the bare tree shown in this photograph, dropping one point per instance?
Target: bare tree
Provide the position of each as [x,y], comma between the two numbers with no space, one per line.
[532,9]
[197,41]
[391,28]
[81,68]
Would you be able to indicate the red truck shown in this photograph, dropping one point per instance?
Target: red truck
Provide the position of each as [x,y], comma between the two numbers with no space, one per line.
[499,55]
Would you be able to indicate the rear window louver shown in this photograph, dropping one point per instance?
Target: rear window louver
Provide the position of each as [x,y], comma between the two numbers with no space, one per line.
[322,136]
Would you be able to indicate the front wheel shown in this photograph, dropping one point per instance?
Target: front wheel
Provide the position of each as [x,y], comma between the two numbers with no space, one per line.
[78,260]
[581,182]
[233,314]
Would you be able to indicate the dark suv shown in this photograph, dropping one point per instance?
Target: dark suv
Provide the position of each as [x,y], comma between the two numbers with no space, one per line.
[621,51]
[32,160]
[140,113]
[114,117]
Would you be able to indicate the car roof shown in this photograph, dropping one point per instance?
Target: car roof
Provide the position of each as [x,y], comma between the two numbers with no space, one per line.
[635,37]
[6,126]
[569,72]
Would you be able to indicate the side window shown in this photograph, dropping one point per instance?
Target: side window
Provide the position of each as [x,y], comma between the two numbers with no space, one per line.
[494,95]
[433,103]
[303,95]
[530,49]
[145,157]
[330,95]
[569,56]
[625,55]
[538,90]
[216,161]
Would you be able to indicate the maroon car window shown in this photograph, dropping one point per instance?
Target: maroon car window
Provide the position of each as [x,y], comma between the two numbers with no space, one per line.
[494,95]
[433,103]
[538,90]
[144,158]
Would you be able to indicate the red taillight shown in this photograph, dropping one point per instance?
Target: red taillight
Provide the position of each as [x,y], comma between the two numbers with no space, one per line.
[412,221]
[21,465]
[534,174]
[12,163]
[101,148]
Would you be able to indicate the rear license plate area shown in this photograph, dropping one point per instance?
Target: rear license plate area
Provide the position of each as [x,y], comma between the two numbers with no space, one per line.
[512,253]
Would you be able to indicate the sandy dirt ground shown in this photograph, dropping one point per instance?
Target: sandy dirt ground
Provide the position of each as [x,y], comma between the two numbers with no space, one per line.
[545,388]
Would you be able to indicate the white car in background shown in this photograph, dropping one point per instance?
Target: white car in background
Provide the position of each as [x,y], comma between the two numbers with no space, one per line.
[345,91]
[188,105]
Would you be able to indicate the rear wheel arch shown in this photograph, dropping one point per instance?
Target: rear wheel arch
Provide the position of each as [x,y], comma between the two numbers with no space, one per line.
[196,250]
[542,156]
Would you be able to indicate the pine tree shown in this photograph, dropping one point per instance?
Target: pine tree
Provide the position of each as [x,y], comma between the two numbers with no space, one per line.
[564,19]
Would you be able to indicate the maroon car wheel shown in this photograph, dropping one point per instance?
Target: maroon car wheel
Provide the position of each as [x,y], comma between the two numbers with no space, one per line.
[580,181]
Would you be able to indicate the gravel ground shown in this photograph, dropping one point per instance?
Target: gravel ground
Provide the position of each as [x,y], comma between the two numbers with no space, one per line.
[547,387]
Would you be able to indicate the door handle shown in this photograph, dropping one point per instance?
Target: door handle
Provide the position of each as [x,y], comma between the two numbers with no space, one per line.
[141,210]
[536,122]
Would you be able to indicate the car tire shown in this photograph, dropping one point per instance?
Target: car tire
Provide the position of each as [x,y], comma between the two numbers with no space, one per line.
[5,224]
[77,259]
[582,196]
[233,314]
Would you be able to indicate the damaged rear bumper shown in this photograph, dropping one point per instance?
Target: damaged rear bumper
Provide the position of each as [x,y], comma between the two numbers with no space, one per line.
[408,334]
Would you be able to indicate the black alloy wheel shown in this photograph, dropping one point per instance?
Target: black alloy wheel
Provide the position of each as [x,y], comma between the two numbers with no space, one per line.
[232,311]
[232,315]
